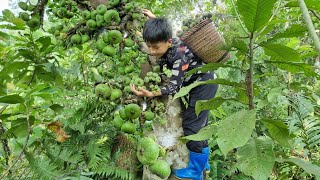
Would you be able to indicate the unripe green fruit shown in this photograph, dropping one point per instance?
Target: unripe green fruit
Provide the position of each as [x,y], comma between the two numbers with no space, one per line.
[34,22]
[91,24]
[76,39]
[100,44]
[132,111]
[24,16]
[114,36]
[103,90]
[112,16]
[147,151]
[101,9]
[93,14]
[113,3]
[118,122]
[128,127]
[105,37]
[85,38]
[128,42]
[129,69]
[115,94]
[161,168]
[149,115]
[86,15]
[109,51]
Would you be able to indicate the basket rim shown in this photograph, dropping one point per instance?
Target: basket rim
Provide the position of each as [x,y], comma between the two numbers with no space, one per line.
[195,28]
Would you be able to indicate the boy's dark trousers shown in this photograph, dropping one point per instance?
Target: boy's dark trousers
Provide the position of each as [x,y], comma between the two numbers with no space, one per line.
[191,123]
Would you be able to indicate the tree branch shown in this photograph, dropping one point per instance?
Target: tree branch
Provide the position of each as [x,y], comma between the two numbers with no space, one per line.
[315,14]
[308,21]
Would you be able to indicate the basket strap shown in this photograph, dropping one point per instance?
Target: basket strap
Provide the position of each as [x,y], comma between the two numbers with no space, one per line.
[223,56]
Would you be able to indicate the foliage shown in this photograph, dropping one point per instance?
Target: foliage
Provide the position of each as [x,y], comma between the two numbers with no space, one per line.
[55,126]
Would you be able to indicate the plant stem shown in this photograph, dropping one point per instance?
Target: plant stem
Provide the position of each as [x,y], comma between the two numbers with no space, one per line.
[4,142]
[249,77]
[309,23]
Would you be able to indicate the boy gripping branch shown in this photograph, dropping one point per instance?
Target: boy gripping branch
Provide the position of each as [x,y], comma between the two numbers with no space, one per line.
[157,34]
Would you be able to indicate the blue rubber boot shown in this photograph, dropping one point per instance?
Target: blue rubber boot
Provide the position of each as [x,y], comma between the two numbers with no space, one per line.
[194,170]
[207,151]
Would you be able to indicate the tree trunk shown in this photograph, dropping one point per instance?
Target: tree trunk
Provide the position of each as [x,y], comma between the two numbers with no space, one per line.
[168,136]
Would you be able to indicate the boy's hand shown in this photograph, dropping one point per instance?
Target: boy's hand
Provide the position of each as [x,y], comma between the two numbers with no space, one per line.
[140,91]
[148,13]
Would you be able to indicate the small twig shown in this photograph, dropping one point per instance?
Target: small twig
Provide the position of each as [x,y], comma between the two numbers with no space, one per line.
[315,14]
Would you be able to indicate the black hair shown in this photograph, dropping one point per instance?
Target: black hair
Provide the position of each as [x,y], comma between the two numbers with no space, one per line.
[157,30]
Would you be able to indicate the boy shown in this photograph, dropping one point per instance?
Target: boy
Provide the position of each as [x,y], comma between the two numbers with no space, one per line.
[157,34]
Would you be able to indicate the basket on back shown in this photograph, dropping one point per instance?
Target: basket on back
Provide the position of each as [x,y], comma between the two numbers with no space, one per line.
[205,42]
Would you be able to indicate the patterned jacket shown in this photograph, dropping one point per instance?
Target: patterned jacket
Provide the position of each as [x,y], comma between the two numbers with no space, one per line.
[179,59]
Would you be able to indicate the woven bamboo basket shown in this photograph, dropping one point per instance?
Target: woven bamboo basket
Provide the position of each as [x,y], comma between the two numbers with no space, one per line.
[205,42]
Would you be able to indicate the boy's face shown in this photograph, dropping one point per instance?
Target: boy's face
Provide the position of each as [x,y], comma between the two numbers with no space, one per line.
[160,48]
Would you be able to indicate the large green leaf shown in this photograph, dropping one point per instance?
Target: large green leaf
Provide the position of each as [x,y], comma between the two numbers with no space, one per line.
[311,4]
[209,67]
[279,52]
[235,130]
[185,90]
[279,131]
[305,165]
[295,31]
[11,99]
[213,103]
[204,133]
[295,67]
[256,158]
[255,13]
[45,41]
[8,16]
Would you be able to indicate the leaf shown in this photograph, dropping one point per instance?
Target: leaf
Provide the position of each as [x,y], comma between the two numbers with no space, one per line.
[209,67]
[295,31]
[204,133]
[305,165]
[213,103]
[11,99]
[279,52]
[279,131]
[295,67]
[240,45]
[256,158]
[4,36]
[56,107]
[185,90]
[8,16]
[235,130]
[311,4]
[45,41]
[255,13]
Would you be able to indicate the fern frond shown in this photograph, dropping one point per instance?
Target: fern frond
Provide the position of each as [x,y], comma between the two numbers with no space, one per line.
[43,167]
[312,126]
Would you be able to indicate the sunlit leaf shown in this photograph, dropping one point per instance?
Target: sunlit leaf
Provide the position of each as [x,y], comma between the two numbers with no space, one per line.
[255,13]
[204,133]
[308,166]
[279,131]
[256,158]
[185,90]
[235,130]
[11,99]
[279,52]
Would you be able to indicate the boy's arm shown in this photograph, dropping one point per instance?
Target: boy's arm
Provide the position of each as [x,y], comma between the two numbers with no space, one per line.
[178,71]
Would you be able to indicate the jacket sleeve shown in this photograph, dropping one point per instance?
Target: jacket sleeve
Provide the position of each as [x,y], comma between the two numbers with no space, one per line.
[179,69]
